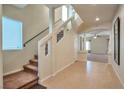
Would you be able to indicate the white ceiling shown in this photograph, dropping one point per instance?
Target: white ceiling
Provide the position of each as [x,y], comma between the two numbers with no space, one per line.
[89,12]
[91,34]
[53,5]
[48,5]
[20,5]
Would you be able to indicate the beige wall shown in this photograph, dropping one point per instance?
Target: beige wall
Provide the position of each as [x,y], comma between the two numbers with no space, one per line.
[99,45]
[65,53]
[1,62]
[58,13]
[119,69]
[45,63]
[65,50]
[35,19]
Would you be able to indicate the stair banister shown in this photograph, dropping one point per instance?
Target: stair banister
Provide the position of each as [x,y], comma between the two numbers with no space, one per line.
[49,36]
[49,39]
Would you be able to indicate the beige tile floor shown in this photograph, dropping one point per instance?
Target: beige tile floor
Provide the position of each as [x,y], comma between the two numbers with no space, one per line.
[82,75]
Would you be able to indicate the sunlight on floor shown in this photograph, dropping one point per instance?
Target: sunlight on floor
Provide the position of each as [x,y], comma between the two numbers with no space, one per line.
[85,75]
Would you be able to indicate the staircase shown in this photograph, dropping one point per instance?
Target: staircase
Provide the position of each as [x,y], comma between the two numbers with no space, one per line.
[23,79]
[32,66]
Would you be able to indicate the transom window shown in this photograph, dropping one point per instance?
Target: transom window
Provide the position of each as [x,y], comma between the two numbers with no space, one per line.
[64,13]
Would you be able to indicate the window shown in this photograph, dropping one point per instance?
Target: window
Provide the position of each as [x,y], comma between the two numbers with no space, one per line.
[87,45]
[76,16]
[64,13]
[11,34]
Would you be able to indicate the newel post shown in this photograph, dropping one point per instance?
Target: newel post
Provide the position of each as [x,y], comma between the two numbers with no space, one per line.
[52,42]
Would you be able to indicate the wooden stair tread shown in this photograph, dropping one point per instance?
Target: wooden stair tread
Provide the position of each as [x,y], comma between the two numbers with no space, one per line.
[23,79]
[19,79]
[36,56]
[34,60]
[32,67]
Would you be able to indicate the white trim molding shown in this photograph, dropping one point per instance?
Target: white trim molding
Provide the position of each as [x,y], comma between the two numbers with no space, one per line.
[52,75]
[11,72]
[117,73]
[61,69]
[41,81]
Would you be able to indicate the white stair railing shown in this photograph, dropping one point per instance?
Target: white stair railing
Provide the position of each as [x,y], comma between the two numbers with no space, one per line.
[46,51]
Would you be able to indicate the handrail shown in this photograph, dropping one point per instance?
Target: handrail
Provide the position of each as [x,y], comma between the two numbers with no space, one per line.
[49,36]
[39,33]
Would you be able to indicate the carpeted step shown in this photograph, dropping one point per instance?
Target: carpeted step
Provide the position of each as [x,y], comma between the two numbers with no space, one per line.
[21,79]
[35,56]
[34,62]
[31,68]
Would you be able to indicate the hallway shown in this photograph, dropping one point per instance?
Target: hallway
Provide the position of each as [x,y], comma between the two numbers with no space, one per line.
[67,33]
[82,75]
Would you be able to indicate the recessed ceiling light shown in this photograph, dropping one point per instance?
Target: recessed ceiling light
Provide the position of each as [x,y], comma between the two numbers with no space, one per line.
[97,18]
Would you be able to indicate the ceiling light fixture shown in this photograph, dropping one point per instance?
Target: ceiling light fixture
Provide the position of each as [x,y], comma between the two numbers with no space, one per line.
[95,37]
[97,18]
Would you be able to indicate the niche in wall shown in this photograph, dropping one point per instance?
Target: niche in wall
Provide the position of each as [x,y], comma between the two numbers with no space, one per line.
[117,41]
[46,49]
[60,35]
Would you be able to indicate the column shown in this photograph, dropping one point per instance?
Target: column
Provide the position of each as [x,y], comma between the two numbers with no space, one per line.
[1,61]
[51,19]
[52,41]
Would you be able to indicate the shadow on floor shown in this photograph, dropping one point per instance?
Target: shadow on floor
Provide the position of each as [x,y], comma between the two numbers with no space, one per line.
[97,57]
[37,86]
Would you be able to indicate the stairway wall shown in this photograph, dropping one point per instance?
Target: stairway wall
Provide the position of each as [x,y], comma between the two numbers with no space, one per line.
[119,69]
[65,50]
[35,19]
[65,54]
[1,62]
[58,13]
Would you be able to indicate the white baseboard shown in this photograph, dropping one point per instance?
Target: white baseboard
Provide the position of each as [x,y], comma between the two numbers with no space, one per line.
[61,69]
[117,73]
[11,72]
[109,63]
[52,75]
[40,81]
